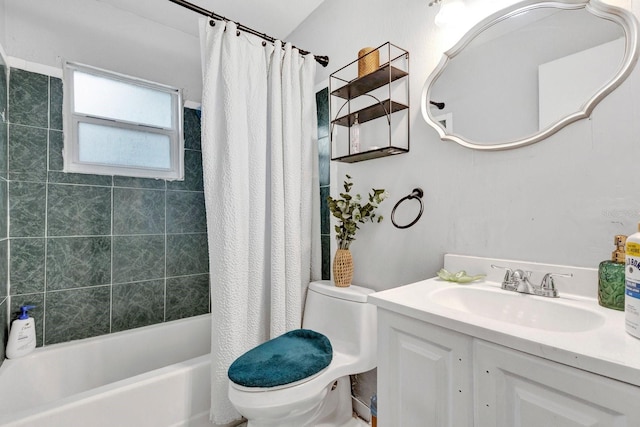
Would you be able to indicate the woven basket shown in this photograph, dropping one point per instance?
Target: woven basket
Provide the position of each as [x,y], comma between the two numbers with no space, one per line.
[342,268]
[368,61]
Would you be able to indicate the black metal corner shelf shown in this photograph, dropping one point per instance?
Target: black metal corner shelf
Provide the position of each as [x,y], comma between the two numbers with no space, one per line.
[382,76]
[395,66]
[381,109]
[371,154]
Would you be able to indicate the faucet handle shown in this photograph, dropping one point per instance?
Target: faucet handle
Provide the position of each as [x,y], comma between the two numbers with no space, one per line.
[547,285]
[521,274]
[508,275]
[547,280]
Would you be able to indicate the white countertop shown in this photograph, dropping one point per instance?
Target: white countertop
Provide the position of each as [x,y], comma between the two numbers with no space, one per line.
[605,350]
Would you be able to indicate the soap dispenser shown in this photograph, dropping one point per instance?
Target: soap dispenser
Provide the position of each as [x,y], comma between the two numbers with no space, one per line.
[22,337]
[611,283]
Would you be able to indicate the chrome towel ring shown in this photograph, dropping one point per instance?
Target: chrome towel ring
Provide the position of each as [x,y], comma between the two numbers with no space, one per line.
[417,193]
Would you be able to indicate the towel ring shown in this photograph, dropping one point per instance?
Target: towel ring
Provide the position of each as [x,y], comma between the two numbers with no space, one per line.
[417,193]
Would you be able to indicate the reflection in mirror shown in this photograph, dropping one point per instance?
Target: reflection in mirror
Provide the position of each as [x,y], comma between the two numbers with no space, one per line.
[524,73]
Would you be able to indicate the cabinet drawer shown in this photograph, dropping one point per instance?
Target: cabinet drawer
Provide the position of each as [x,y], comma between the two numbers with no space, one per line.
[513,389]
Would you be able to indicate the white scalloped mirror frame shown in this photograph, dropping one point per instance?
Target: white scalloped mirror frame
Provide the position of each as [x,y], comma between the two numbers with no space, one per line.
[618,15]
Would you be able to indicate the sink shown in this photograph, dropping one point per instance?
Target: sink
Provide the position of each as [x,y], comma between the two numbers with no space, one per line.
[549,314]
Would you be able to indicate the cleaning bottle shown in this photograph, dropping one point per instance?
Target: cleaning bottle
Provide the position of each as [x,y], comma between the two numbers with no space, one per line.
[22,337]
[611,284]
[374,410]
[632,284]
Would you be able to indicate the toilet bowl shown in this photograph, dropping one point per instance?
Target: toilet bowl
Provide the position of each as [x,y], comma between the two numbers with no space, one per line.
[323,399]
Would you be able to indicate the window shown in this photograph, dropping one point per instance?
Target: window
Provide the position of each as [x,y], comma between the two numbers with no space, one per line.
[119,125]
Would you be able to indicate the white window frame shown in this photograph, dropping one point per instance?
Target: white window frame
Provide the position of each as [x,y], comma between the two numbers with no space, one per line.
[72,120]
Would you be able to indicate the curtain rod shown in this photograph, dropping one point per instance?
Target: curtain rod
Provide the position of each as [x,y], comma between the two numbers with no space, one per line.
[322,60]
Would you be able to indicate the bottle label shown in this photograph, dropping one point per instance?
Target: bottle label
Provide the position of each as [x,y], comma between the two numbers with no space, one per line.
[633,249]
[632,289]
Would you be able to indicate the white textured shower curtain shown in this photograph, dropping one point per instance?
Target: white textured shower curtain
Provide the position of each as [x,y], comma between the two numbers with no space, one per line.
[259,154]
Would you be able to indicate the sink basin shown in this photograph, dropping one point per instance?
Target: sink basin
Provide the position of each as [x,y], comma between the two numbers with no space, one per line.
[549,314]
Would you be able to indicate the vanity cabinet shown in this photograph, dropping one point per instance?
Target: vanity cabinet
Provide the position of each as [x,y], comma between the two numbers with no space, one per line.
[515,389]
[425,375]
[432,376]
[372,107]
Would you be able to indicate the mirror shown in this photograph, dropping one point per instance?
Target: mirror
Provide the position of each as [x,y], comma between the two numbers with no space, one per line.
[522,74]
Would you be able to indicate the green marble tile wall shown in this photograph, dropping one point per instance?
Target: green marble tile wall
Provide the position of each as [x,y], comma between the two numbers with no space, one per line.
[322,105]
[97,254]
[4,254]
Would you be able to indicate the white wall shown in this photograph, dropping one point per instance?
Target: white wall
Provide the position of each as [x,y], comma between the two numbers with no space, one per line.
[558,201]
[3,15]
[96,33]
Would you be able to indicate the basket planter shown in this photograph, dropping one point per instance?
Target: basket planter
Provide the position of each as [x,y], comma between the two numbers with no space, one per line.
[342,268]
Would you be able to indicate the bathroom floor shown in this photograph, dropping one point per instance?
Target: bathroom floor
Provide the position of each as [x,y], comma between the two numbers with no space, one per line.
[354,422]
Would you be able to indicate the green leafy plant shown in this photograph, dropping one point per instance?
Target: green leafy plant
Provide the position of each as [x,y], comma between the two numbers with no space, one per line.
[349,211]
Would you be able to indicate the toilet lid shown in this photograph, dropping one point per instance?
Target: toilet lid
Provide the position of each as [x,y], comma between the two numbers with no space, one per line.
[291,357]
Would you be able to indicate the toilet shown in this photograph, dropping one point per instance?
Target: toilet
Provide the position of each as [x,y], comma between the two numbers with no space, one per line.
[324,398]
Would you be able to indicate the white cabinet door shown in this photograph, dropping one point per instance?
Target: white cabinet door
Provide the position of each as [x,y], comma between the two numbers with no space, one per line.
[513,389]
[424,374]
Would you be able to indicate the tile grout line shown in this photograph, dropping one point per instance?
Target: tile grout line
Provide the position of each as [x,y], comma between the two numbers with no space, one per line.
[87,236]
[75,184]
[46,222]
[117,284]
[111,254]
[33,127]
[8,299]
[164,297]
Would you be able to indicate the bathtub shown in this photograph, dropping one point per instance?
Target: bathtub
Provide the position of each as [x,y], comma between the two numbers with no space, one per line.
[153,376]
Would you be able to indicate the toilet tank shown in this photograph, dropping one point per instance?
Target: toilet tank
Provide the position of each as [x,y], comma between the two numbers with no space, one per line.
[345,317]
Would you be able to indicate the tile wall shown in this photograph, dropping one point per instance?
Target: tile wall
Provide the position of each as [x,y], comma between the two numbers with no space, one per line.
[324,152]
[115,252]
[4,282]
[97,254]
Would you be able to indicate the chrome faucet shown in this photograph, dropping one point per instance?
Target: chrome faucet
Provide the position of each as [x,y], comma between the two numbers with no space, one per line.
[519,281]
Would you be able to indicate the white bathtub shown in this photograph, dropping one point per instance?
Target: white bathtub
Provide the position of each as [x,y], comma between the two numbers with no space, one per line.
[154,376]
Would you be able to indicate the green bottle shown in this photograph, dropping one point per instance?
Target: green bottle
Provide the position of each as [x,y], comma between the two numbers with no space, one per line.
[611,277]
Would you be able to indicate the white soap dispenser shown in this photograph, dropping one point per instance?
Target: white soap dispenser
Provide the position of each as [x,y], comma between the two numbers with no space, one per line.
[22,337]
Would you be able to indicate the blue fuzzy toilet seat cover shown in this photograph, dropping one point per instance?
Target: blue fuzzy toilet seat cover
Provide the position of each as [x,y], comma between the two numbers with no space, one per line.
[291,357]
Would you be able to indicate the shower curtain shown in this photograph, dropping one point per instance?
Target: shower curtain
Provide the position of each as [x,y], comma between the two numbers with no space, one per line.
[259,154]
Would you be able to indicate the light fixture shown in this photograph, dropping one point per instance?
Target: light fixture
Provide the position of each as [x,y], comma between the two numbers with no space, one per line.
[451,11]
